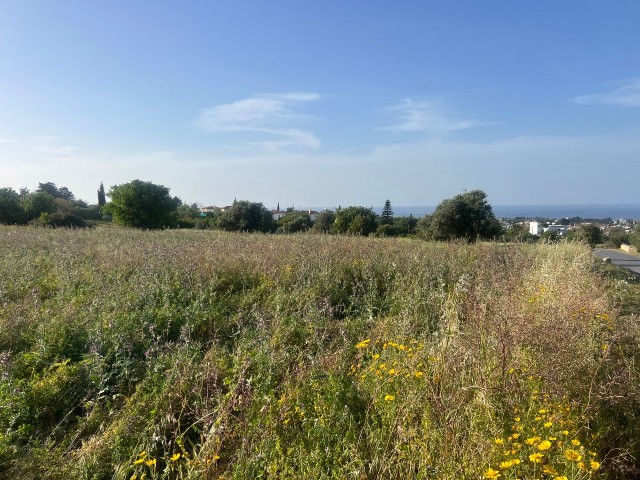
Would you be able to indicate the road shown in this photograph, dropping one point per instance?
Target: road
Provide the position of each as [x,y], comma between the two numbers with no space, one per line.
[621,259]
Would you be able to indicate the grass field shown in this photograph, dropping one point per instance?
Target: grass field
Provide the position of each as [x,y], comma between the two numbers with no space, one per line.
[198,354]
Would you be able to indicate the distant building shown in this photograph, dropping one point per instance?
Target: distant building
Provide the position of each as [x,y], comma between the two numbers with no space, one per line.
[278,214]
[313,215]
[535,228]
[214,209]
[559,229]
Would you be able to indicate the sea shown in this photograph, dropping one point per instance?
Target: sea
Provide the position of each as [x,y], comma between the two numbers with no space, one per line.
[595,211]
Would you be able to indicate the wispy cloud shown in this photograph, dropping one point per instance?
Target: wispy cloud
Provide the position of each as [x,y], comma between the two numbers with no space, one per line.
[49,144]
[426,117]
[269,114]
[625,96]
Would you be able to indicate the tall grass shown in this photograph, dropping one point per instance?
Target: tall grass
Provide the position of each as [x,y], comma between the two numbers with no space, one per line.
[196,354]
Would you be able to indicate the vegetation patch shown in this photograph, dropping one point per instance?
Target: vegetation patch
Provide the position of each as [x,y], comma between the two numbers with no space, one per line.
[189,354]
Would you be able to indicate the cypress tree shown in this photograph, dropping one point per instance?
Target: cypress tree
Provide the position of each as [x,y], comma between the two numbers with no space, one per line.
[102,198]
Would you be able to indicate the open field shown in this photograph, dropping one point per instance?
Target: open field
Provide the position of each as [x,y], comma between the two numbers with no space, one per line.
[198,354]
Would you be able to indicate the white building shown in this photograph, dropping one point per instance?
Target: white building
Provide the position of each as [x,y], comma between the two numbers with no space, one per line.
[535,228]
[278,214]
[559,229]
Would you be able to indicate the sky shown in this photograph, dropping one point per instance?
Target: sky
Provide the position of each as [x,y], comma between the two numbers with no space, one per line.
[324,103]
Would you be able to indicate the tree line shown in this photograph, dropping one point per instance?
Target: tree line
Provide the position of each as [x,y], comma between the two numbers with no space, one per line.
[48,205]
[139,204]
[145,205]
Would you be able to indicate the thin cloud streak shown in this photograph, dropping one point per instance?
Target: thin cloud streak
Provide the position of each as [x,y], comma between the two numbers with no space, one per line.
[425,117]
[627,96]
[270,114]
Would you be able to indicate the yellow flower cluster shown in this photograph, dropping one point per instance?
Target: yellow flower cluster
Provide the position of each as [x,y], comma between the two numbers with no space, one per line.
[388,367]
[543,440]
[146,466]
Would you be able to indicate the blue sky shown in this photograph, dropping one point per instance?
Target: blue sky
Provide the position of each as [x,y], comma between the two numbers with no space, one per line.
[328,103]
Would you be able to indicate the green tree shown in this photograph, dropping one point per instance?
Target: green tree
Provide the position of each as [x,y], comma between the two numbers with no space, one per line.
[11,211]
[293,222]
[617,236]
[405,225]
[549,237]
[587,233]
[387,214]
[55,192]
[466,216]
[518,233]
[36,203]
[244,216]
[102,196]
[386,231]
[324,221]
[141,204]
[355,221]
[634,238]
[187,215]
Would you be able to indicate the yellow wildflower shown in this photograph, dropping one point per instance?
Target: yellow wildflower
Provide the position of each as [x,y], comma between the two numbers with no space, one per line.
[572,455]
[418,374]
[363,343]
[507,464]
[151,462]
[544,445]
[389,398]
[139,461]
[175,457]
[575,442]
[594,465]
[548,424]
[531,440]
[536,457]
[562,477]
[491,473]
[498,441]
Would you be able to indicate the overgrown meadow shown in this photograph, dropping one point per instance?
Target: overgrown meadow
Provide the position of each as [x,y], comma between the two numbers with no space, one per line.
[203,355]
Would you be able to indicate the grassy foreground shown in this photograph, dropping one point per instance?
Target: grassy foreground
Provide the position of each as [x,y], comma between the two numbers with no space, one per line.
[189,354]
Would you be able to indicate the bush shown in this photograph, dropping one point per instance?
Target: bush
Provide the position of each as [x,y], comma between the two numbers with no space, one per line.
[60,219]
